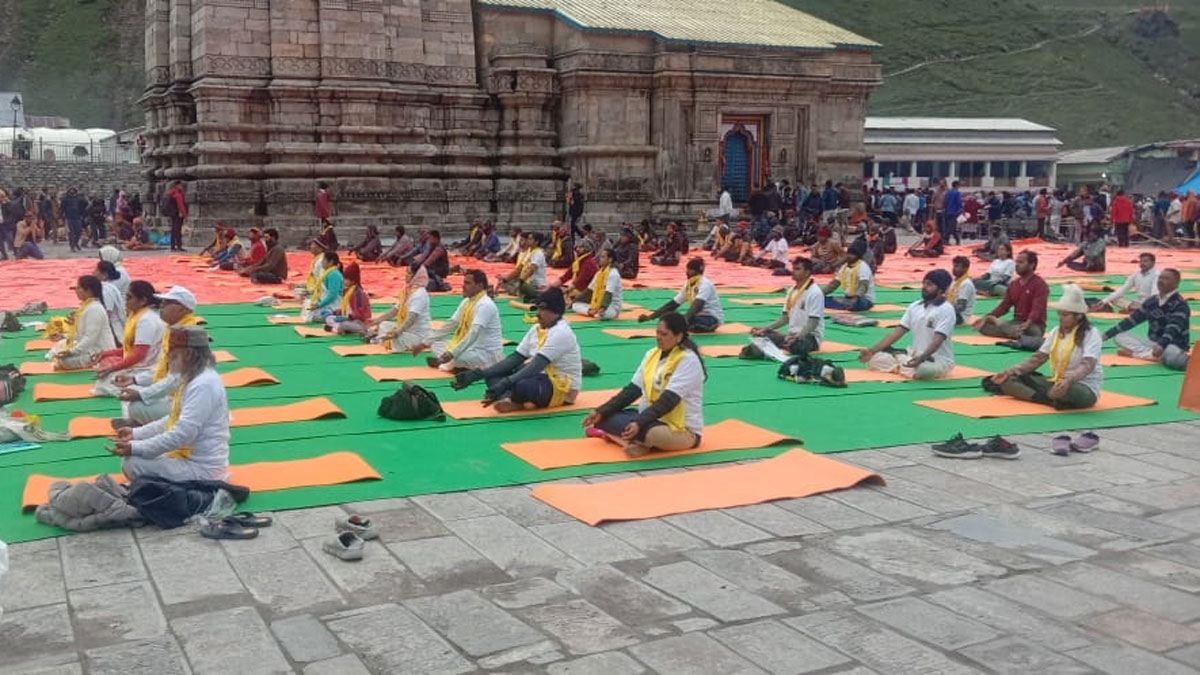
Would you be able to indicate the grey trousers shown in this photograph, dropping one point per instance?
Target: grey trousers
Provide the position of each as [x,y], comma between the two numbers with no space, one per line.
[1172,357]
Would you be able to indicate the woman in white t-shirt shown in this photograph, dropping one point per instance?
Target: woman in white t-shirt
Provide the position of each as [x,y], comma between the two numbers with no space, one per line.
[141,339]
[603,297]
[408,324]
[669,385]
[1073,352]
[88,334]
[1002,269]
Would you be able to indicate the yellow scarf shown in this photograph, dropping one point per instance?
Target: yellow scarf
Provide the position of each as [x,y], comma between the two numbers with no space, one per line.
[560,381]
[233,242]
[653,387]
[465,319]
[523,260]
[311,283]
[319,285]
[346,298]
[402,304]
[575,265]
[184,452]
[722,241]
[952,294]
[527,268]
[851,278]
[73,325]
[794,296]
[160,370]
[557,242]
[1060,358]
[600,285]
[131,332]
[693,285]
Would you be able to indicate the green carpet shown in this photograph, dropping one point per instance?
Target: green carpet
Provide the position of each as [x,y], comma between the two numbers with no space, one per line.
[425,457]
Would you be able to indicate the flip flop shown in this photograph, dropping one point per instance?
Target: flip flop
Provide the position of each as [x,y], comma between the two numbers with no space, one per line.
[226,529]
[247,519]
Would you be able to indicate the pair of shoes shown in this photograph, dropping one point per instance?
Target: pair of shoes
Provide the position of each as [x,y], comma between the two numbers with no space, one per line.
[1064,445]
[996,447]
[352,533]
[243,525]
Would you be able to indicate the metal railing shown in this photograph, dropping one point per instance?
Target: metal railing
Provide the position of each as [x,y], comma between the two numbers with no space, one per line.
[91,152]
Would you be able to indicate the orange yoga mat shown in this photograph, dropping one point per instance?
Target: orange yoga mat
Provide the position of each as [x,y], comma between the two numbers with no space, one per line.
[723,351]
[38,345]
[625,315]
[468,410]
[359,350]
[242,377]
[382,374]
[727,435]
[248,377]
[981,407]
[977,340]
[1118,360]
[286,320]
[1115,316]
[303,411]
[44,368]
[758,301]
[1189,394]
[223,356]
[876,308]
[956,373]
[313,332]
[334,468]
[795,473]
[630,333]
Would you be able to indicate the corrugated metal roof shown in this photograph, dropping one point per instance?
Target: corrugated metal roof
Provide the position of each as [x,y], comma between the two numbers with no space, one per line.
[886,138]
[1092,155]
[954,124]
[760,23]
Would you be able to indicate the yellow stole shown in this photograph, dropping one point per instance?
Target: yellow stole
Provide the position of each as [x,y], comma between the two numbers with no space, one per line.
[575,265]
[795,295]
[1059,358]
[233,242]
[160,370]
[73,325]
[523,260]
[346,298]
[131,332]
[653,386]
[402,304]
[722,241]
[557,242]
[692,287]
[952,294]
[176,408]
[527,269]
[318,286]
[851,282]
[600,283]
[311,283]
[465,319]
[560,381]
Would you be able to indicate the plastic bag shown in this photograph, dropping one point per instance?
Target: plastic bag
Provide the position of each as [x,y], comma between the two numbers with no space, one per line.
[770,350]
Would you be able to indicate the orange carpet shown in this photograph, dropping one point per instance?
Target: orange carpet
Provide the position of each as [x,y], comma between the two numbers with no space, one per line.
[334,468]
[727,435]
[795,473]
[468,410]
[981,407]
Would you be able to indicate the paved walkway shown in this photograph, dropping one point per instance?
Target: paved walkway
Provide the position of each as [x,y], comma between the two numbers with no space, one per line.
[1042,565]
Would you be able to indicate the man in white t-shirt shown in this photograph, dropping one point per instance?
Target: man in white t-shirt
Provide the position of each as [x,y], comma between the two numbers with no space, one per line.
[961,294]
[774,255]
[1143,283]
[704,314]
[472,338]
[528,278]
[545,371]
[604,295]
[856,281]
[931,321]
[803,313]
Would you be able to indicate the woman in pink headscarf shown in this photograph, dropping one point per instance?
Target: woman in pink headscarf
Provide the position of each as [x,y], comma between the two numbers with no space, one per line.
[407,325]
[355,312]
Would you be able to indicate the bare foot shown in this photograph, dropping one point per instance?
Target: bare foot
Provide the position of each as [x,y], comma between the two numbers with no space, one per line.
[635,450]
[1124,352]
[506,406]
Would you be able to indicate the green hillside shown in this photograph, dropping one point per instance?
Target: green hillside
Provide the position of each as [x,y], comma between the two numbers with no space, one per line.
[1078,65]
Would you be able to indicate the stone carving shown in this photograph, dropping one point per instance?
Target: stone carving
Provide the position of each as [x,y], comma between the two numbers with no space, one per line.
[445,17]
[353,68]
[284,66]
[232,66]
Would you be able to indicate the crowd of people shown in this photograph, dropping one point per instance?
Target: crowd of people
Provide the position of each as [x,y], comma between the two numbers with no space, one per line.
[28,218]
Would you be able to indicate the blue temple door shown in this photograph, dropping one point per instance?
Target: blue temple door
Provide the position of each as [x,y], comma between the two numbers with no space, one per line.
[736,177]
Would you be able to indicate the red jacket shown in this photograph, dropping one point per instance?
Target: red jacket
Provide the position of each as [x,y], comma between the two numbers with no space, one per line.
[1121,210]
[587,270]
[323,204]
[258,252]
[180,202]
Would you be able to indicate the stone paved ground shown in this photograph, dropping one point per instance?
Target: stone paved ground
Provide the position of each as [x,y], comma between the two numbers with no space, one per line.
[1042,565]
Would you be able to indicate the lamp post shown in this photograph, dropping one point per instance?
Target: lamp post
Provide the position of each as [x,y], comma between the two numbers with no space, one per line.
[15,103]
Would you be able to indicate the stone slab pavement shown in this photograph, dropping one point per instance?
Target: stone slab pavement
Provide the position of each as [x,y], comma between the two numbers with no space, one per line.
[1080,564]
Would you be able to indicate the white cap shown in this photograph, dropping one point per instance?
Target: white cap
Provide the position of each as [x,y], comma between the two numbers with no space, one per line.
[1072,300]
[181,295]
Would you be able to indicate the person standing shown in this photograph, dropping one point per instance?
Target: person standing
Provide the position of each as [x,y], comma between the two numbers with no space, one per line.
[1121,214]
[575,202]
[954,208]
[74,209]
[174,208]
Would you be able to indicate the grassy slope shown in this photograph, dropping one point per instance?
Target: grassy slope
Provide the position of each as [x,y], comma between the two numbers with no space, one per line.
[1103,89]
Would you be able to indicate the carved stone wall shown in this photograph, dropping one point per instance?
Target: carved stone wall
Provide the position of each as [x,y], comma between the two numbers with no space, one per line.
[433,112]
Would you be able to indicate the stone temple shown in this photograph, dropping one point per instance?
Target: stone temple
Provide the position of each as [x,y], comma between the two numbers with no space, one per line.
[435,112]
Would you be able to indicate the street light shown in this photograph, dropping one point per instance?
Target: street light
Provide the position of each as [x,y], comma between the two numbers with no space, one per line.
[15,103]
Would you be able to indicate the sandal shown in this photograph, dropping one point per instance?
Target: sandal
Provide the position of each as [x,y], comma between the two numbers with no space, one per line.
[246,519]
[227,529]
[360,525]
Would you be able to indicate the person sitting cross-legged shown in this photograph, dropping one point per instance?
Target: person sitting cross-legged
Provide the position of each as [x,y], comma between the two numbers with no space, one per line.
[1091,251]
[961,294]
[528,277]
[603,297]
[192,441]
[931,320]
[1144,284]
[1168,315]
[1026,295]
[1073,351]
[827,254]
[472,337]
[147,395]
[545,371]
[704,314]
[856,281]
[803,313]
[1001,270]
[329,288]
[408,324]
[354,313]
[930,245]
[669,388]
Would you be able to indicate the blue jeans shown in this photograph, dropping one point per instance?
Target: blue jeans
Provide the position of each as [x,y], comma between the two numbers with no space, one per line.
[702,323]
[860,304]
[536,390]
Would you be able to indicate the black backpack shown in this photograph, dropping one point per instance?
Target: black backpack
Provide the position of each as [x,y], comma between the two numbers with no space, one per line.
[411,402]
[12,383]
[806,369]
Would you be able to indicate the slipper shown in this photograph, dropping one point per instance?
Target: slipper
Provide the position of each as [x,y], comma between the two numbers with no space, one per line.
[1086,442]
[345,546]
[360,525]
[226,529]
[246,519]
[1061,445]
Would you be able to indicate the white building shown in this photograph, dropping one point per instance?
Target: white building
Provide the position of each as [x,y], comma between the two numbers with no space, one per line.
[1000,153]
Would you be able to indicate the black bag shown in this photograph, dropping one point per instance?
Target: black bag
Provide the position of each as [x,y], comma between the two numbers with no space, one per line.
[411,402]
[169,504]
[590,368]
[9,323]
[806,369]
[168,207]
[12,383]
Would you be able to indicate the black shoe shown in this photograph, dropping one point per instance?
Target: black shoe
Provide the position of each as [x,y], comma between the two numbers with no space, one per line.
[991,387]
[1001,448]
[1011,344]
[957,448]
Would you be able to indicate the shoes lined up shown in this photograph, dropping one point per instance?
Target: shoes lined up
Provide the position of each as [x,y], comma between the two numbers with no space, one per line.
[999,447]
[352,534]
